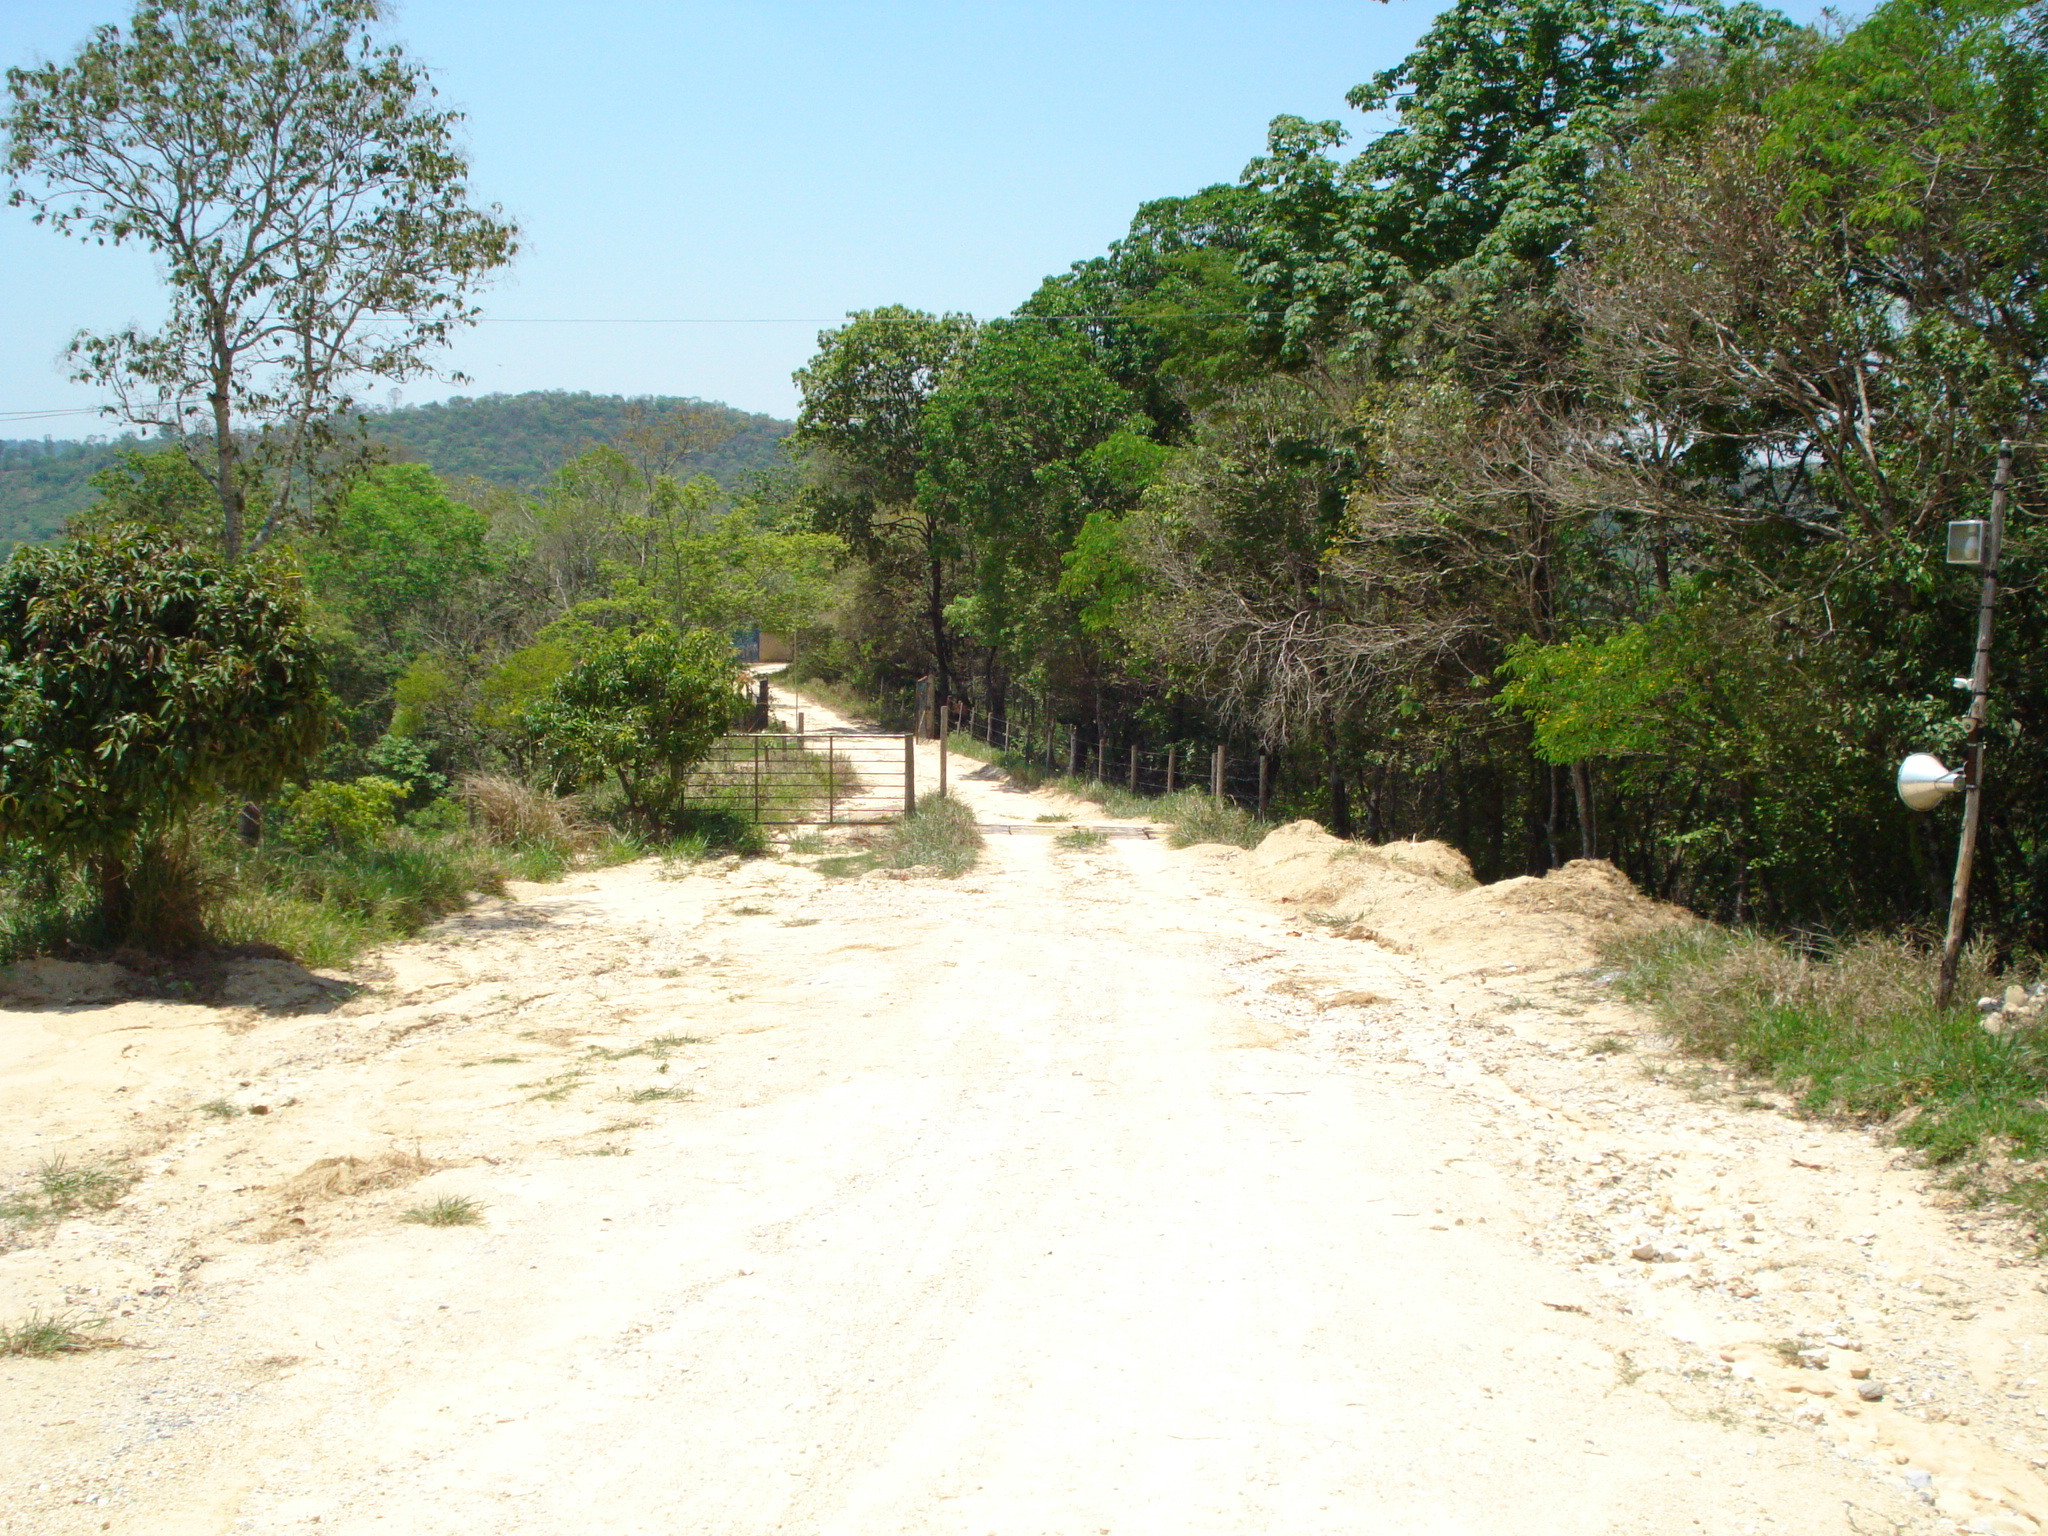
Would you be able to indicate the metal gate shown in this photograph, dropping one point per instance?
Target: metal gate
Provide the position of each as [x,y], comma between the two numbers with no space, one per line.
[825,779]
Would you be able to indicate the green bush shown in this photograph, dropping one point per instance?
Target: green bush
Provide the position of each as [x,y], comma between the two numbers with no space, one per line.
[331,814]
[141,679]
[640,708]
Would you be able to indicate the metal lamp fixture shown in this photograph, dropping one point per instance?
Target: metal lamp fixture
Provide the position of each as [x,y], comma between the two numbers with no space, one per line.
[1970,543]
[1924,781]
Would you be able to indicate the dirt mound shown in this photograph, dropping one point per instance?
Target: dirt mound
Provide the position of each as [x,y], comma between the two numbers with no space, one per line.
[1423,896]
[46,983]
[336,1178]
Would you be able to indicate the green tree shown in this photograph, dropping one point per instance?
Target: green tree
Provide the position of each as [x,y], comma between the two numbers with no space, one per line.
[862,428]
[139,680]
[309,207]
[396,548]
[1505,112]
[643,707]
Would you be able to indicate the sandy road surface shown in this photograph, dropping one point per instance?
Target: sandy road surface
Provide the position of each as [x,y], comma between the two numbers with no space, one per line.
[1061,1199]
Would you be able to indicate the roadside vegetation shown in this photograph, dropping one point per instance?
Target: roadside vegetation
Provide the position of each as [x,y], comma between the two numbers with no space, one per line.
[940,838]
[1849,1030]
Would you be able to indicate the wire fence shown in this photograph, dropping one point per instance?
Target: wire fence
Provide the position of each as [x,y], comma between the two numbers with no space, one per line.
[781,779]
[1031,735]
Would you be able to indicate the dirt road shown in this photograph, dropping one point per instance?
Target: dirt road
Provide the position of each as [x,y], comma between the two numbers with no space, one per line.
[1083,1195]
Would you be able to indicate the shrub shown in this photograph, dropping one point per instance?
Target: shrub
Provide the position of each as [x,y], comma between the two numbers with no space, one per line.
[139,680]
[332,814]
[640,708]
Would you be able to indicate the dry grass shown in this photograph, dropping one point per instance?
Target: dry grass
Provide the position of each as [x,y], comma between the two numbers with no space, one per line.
[511,814]
[336,1178]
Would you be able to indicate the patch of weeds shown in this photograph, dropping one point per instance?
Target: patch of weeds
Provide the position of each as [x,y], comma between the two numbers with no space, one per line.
[63,1188]
[800,922]
[448,1211]
[1326,919]
[1199,817]
[1751,1101]
[604,1151]
[1609,1045]
[749,910]
[658,1095]
[846,865]
[659,1047]
[940,835]
[220,1109]
[621,1125]
[1850,1030]
[1626,1368]
[42,1335]
[807,843]
[499,1061]
[554,1089]
[1061,817]
[1080,838]
[1516,1004]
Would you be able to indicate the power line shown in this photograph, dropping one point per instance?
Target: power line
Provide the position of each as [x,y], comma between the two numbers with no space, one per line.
[826,319]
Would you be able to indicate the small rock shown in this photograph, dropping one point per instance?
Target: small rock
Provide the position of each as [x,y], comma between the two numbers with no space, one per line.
[1870,1392]
[1859,1373]
[1646,1252]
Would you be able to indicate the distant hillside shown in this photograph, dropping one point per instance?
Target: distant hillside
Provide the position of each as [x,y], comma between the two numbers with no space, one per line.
[519,440]
[513,440]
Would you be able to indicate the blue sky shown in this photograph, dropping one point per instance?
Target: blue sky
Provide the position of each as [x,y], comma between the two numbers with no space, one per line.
[767,162]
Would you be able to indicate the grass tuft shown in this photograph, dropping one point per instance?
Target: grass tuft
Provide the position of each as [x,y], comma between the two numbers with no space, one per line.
[1198,817]
[42,1335]
[941,835]
[220,1109]
[658,1095]
[1081,837]
[448,1211]
[63,1188]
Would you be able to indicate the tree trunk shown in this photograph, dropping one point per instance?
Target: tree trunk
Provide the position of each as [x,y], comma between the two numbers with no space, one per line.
[1340,792]
[226,482]
[1582,791]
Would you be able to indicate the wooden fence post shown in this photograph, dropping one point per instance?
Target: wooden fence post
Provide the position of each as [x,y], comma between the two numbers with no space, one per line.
[1216,774]
[945,729]
[1134,767]
[1171,754]
[1264,758]
[1073,751]
[909,771]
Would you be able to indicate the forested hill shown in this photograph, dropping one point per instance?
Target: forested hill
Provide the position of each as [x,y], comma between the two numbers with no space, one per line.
[514,440]
[519,440]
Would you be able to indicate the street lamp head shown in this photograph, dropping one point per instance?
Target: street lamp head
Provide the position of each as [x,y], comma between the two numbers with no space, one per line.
[1924,782]
[1969,543]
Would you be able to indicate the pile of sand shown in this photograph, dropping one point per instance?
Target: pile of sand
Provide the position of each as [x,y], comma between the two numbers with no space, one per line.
[1422,896]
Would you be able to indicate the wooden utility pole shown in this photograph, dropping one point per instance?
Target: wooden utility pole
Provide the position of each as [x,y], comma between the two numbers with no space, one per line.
[1973,750]
[945,729]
